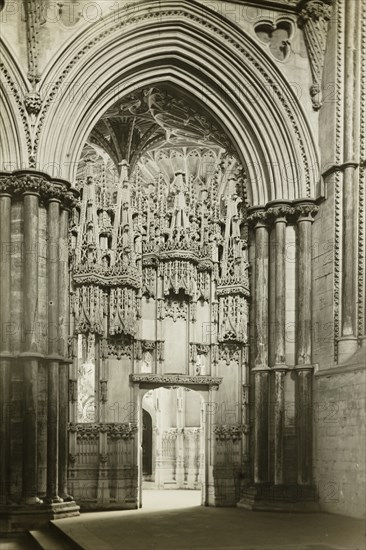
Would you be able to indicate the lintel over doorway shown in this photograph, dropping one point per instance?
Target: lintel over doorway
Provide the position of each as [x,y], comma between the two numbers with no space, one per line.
[152,381]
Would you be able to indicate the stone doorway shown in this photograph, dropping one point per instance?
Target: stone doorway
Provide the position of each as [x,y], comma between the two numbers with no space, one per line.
[147,445]
[172,450]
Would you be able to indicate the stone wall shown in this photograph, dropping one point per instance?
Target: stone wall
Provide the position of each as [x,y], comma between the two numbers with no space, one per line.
[339,441]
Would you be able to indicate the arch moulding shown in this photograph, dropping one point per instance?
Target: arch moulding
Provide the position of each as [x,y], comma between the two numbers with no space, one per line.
[197,50]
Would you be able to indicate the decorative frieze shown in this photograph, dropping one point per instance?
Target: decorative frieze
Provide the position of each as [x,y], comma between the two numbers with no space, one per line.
[85,431]
[89,432]
[229,432]
[124,431]
[175,379]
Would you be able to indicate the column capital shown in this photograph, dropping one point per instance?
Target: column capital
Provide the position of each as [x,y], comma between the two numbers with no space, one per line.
[280,368]
[261,368]
[279,211]
[304,210]
[313,10]
[257,217]
[22,182]
[304,367]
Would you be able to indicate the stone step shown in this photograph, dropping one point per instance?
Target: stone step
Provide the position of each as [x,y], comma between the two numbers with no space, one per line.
[52,538]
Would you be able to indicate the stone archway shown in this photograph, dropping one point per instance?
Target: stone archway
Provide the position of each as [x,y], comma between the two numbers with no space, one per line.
[235,78]
[220,66]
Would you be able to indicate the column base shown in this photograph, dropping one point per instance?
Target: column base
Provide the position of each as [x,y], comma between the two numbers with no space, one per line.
[279,498]
[24,517]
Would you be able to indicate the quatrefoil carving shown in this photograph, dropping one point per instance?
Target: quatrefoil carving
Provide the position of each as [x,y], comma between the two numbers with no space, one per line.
[276,36]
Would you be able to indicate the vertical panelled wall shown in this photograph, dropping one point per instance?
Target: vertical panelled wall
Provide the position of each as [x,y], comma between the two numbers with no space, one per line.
[280,359]
[34,345]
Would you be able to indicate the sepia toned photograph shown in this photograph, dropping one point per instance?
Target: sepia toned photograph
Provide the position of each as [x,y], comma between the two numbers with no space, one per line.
[182,274]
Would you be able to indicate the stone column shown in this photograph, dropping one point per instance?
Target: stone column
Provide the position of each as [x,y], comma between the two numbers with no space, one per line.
[261,371]
[304,210]
[5,286]
[278,213]
[64,288]
[347,344]
[53,267]
[30,354]
[179,464]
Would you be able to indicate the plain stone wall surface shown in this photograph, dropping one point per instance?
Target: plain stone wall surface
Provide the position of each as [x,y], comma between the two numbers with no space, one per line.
[323,282]
[339,442]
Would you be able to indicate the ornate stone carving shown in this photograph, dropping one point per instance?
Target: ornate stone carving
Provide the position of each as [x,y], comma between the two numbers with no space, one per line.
[257,217]
[192,433]
[33,103]
[305,211]
[118,347]
[229,433]
[22,182]
[34,17]
[89,309]
[85,431]
[176,310]
[90,432]
[313,19]
[127,18]
[173,379]
[338,195]
[124,431]
[361,205]
[229,353]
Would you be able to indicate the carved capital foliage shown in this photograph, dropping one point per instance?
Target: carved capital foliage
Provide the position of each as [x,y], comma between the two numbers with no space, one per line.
[305,212]
[229,433]
[313,18]
[18,183]
[288,213]
[258,218]
[279,213]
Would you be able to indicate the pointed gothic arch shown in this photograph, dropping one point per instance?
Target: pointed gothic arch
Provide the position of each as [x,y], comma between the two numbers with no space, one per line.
[15,133]
[197,50]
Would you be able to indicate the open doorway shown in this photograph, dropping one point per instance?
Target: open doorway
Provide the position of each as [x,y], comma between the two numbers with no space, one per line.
[172,448]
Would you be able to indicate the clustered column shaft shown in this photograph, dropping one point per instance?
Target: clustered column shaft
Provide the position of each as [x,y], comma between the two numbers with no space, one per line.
[277,214]
[5,276]
[36,201]
[261,370]
[30,354]
[305,211]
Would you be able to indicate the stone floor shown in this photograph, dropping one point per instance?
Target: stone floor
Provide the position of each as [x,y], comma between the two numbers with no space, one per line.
[172,520]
